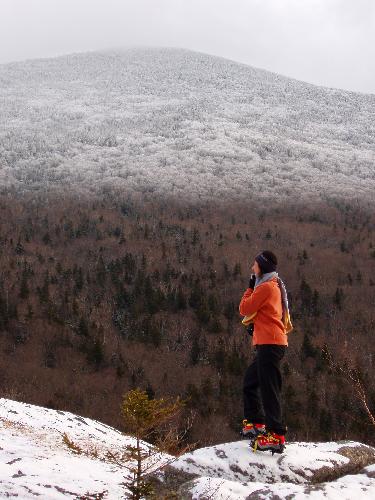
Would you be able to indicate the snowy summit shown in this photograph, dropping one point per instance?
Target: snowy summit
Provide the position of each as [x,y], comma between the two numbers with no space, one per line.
[37,462]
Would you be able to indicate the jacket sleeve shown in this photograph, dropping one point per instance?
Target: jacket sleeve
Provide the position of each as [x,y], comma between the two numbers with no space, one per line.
[253,300]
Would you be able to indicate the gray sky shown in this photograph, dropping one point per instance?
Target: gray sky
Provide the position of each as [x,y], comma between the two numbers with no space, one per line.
[327,42]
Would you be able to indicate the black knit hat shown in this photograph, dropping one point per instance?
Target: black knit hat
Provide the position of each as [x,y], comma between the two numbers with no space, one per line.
[267,261]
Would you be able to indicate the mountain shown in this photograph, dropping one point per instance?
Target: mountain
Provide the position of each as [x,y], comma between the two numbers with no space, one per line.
[176,123]
[35,462]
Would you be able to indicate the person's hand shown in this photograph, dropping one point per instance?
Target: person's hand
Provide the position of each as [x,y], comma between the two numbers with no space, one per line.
[252,281]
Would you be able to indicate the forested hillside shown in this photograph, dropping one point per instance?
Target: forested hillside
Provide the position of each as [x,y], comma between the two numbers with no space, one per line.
[179,123]
[100,295]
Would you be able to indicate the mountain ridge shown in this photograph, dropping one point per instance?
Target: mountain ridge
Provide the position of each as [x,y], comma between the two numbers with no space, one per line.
[145,48]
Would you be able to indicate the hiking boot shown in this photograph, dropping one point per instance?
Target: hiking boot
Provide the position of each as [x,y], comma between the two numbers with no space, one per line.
[250,430]
[270,442]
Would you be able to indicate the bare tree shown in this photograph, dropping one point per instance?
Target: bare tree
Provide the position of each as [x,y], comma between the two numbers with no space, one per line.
[354,376]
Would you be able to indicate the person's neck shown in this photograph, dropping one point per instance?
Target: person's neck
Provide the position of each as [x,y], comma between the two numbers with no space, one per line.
[265,277]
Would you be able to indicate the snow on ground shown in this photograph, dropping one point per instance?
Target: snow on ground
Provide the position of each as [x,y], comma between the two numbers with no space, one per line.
[36,463]
[234,471]
[347,488]
[237,462]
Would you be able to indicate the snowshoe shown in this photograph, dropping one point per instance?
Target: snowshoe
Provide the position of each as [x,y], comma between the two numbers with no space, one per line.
[250,430]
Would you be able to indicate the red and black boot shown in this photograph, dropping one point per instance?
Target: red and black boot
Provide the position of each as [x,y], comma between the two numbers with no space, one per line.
[251,431]
[270,442]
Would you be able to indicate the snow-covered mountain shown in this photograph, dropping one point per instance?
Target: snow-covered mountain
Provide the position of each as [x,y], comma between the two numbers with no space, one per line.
[36,463]
[175,122]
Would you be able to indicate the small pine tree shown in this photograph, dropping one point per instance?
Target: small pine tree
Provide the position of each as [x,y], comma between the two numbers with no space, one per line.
[95,352]
[78,278]
[145,418]
[305,296]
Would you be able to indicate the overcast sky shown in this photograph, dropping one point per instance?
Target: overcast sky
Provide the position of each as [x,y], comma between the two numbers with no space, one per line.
[328,42]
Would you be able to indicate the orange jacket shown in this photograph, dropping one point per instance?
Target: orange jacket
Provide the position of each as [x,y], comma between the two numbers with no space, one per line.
[265,301]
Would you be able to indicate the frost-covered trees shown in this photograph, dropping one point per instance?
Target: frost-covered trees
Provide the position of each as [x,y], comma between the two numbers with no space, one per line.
[181,124]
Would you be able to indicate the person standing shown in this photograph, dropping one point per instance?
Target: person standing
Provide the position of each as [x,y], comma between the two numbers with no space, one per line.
[265,308]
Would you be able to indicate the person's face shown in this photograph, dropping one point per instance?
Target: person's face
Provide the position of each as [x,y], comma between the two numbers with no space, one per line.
[256,269]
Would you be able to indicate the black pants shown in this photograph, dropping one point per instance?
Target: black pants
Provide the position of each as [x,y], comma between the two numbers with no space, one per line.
[264,376]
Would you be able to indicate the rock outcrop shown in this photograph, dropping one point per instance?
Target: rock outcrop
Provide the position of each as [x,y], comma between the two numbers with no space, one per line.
[55,455]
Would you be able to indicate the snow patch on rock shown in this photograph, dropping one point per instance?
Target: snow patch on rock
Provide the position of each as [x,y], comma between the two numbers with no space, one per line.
[35,462]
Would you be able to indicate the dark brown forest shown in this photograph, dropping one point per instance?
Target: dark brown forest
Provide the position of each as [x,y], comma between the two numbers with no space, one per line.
[101,295]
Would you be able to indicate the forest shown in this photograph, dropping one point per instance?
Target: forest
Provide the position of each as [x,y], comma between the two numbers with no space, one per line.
[172,121]
[100,295]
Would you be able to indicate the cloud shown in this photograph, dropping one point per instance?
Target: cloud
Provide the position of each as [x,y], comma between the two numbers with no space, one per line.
[329,42]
